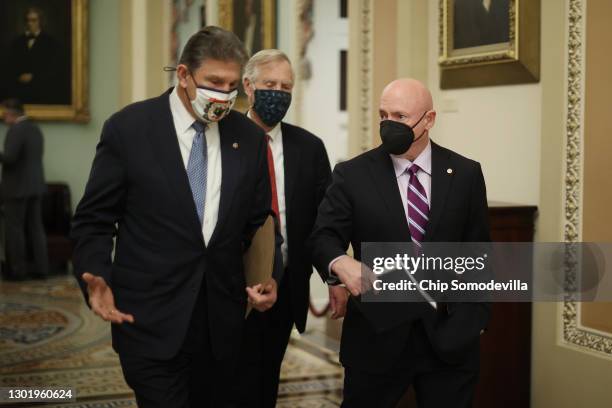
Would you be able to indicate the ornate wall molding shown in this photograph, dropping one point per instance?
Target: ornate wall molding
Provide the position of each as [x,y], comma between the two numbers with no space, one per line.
[302,20]
[365,73]
[572,332]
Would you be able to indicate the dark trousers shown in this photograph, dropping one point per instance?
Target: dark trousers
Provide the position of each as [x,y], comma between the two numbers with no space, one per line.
[436,383]
[264,344]
[23,218]
[191,379]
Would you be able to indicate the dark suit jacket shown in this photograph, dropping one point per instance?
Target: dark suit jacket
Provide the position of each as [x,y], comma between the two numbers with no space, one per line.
[138,191]
[22,167]
[475,26]
[49,66]
[307,176]
[363,204]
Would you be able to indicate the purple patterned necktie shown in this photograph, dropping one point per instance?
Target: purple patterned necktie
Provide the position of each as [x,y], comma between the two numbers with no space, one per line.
[418,206]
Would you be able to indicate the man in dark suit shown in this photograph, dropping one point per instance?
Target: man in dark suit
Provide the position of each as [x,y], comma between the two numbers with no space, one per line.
[480,22]
[181,182]
[299,174]
[23,184]
[407,190]
[37,68]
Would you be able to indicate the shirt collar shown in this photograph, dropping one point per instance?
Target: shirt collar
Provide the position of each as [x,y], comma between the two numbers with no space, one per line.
[182,118]
[423,160]
[21,119]
[274,132]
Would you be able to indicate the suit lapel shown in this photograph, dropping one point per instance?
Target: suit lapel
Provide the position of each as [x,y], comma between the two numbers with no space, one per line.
[165,144]
[385,181]
[440,184]
[230,163]
[291,158]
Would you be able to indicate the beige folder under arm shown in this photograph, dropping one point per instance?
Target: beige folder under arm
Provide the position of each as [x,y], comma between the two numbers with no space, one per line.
[259,258]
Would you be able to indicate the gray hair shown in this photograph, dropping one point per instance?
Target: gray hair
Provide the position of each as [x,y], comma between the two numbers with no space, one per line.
[263,57]
[213,43]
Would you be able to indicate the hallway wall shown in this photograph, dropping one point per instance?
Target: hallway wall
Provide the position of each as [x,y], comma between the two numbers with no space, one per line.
[498,126]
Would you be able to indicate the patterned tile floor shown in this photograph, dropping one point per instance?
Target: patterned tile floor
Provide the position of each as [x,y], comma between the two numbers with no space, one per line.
[49,337]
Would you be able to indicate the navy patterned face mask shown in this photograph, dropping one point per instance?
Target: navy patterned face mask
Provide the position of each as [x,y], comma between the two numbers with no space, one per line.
[271,105]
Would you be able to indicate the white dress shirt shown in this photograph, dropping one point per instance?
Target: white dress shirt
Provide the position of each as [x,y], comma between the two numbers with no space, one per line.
[276,145]
[185,133]
[32,39]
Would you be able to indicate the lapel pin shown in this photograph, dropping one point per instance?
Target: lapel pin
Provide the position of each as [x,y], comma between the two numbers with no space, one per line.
[235,145]
[449,171]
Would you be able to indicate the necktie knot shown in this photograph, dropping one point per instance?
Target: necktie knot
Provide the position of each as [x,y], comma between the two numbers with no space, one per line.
[413,170]
[198,126]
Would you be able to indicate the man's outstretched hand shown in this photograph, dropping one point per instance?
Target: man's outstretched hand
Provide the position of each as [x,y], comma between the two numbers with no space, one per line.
[102,301]
[262,296]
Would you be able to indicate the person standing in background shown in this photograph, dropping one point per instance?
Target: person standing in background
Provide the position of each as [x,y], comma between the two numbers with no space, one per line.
[23,184]
[299,173]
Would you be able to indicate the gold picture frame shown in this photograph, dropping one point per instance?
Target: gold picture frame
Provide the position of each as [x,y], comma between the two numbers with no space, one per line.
[75,106]
[574,332]
[258,34]
[509,56]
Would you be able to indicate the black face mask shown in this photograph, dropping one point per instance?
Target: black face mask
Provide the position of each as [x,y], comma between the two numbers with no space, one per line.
[271,105]
[398,137]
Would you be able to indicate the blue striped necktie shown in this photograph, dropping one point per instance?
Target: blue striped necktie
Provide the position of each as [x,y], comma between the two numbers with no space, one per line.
[197,168]
[418,206]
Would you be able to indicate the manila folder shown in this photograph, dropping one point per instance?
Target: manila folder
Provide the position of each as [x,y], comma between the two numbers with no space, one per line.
[259,258]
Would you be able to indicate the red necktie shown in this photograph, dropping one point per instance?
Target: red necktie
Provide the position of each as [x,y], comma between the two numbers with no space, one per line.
[273,181]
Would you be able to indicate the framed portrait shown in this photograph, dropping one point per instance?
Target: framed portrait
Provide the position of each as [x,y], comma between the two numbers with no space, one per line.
[254,22]
[43,46]
[489,42]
